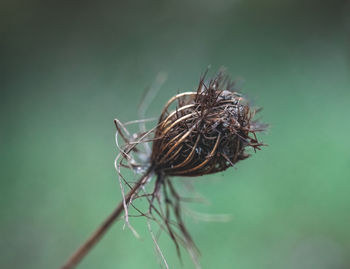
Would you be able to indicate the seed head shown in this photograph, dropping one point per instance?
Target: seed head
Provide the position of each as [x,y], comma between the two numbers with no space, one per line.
[206,133]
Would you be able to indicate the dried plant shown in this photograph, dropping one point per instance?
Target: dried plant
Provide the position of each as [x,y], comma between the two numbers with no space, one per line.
[208,131]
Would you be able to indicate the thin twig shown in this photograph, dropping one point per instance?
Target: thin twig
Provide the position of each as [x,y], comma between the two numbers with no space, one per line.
[82,251]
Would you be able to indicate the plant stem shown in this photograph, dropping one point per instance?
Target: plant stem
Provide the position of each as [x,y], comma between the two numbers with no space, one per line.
[83,250]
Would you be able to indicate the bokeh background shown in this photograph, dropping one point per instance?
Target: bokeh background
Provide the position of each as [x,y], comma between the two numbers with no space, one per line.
[68,68]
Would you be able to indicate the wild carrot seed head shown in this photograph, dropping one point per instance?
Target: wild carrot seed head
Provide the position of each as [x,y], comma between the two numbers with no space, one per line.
[207,132]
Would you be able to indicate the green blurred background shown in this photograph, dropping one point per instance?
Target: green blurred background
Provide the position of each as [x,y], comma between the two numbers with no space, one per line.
[69,68]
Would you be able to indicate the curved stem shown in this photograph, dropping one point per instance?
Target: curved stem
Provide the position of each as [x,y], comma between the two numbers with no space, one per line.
[83,250]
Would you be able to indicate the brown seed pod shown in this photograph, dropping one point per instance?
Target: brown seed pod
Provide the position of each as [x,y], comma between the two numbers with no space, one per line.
[206,133]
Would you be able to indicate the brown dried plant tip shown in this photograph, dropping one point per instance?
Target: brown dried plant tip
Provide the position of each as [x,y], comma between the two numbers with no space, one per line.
[208,131]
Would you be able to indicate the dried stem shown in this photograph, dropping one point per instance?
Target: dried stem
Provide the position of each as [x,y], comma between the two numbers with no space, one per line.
[83,250]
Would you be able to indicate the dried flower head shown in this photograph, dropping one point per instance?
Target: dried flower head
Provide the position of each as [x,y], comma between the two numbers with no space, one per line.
[208,131]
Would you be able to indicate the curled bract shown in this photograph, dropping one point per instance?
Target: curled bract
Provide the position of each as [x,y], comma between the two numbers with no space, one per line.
[207,132]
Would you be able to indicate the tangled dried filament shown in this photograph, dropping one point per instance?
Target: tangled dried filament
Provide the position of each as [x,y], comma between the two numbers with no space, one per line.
[208,131]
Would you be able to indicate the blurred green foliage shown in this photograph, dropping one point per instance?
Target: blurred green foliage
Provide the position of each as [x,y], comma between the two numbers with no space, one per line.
[69,68]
